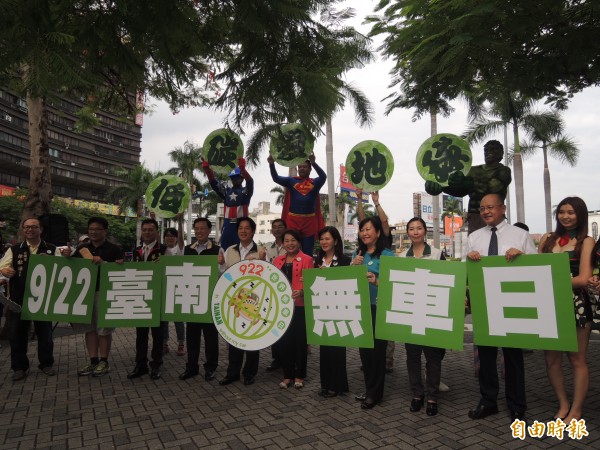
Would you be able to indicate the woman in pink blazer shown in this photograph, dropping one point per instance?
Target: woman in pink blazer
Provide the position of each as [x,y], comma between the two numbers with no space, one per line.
[293,342]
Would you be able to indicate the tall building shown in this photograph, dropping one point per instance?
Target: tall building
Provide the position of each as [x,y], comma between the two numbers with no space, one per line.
[82,164]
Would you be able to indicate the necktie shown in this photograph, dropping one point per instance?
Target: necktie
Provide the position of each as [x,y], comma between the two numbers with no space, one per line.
[145,250]
[493,248]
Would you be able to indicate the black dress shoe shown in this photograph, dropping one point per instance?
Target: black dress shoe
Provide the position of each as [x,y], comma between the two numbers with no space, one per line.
[416,404]
[481,412]
[432,408]
[209,375]
[328,394]
[225,381]
[368,403]
[248,381]
[360,397]
[137,372]
[514,415]
[273,366]
[155,373]
[188,374]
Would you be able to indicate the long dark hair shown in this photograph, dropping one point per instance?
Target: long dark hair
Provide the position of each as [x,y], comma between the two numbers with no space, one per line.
[379,244]
[581,212]
[338,248]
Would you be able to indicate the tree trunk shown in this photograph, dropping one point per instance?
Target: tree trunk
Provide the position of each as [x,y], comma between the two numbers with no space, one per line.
[507,200]
[39,195]
[547,189]
[518,174]
[435,198]
[330,175]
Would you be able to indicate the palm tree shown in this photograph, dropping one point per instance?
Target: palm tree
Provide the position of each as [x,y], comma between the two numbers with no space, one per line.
[452,207]
[552,141]
[187,159]
[513,109]
[368,210]
[131,192]
[280,191]
[343,49]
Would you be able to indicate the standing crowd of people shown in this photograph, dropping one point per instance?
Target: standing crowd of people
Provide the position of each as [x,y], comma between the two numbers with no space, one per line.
[292,252]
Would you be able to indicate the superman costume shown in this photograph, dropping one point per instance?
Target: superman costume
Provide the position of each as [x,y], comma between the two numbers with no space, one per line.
[301,206]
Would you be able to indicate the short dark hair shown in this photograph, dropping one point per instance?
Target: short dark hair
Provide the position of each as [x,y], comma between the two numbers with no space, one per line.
[171,231]
[99,220]
[249,220]
[150,221]
[294,233]
[494,146]
[279,220]
[202,219]
[32,218]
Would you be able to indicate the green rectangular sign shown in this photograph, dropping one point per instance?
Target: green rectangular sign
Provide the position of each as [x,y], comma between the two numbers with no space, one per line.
[527,303]
[59,289]
[187,287]
[337,305]
[130,295]
[421,301]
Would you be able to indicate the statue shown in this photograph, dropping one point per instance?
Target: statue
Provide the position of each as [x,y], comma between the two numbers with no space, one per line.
[493,177]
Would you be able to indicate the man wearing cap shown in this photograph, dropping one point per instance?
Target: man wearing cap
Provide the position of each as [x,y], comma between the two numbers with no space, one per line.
[236,198]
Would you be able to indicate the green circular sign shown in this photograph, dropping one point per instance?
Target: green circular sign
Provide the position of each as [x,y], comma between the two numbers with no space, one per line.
[167,196]
[441,155]
[292,146]
[370,165]
[222,148]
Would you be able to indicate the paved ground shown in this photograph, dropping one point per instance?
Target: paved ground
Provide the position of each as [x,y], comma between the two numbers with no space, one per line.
[70,412]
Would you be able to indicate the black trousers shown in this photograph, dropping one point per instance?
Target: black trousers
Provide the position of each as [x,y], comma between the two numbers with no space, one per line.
[333,369]
[433,370]
[211,346]
[294,356]
[514,380]
[236,358]
[141,346]
[18,336]
[373,362]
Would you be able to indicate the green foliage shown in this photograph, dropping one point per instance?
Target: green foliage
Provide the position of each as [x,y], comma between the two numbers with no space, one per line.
[443,49]
[121,230]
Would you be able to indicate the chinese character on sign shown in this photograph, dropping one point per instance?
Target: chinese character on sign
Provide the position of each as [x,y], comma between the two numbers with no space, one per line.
[223,150]
[168,197]
[521,290]
[518,428]
[187,286]
[336,303]
[129,295]
[293,145]
[577,429]
[537,429]
[420,299]
[556,429]
[448,158]
[372,167]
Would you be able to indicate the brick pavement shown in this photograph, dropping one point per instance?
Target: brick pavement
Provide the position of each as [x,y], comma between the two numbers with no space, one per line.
[67,411]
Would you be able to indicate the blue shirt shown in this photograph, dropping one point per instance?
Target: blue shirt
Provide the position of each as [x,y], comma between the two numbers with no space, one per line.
[372,264]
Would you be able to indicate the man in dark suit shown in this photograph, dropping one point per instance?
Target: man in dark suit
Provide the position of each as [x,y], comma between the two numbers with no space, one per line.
[203,246]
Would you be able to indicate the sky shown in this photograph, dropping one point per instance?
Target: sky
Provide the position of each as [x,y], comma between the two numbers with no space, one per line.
[163,131]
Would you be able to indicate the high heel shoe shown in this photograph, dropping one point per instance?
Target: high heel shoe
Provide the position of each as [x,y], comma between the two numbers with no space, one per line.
[286,383]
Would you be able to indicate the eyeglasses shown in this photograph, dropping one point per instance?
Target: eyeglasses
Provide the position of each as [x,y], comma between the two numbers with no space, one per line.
[488,208]
[31,227]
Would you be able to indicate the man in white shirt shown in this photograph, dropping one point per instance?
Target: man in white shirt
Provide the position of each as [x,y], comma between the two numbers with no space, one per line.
[245,250]
[499,238]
